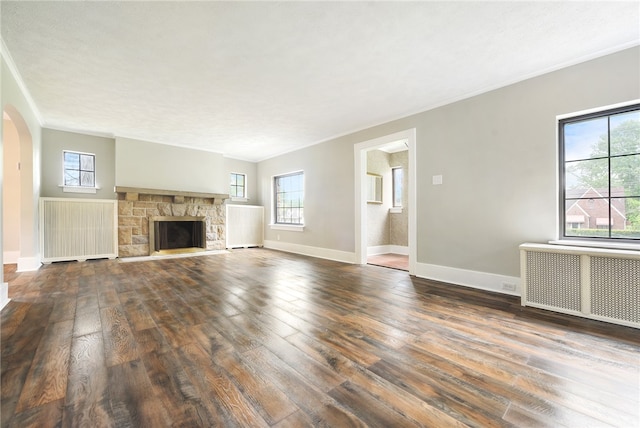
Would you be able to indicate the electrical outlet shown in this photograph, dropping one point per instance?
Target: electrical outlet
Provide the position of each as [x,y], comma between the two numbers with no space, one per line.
[508,286]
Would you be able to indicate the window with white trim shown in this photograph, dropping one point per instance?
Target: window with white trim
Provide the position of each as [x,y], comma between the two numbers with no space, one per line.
[79,169]
[600,175]
[238,186]
[288,191]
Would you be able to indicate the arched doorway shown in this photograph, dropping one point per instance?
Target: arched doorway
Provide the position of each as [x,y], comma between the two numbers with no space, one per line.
[19,220]
[10,191]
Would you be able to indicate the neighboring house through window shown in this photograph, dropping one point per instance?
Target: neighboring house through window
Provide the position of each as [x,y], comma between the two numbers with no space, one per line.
[288,190]
[79,169]
[238,189]
[600,175]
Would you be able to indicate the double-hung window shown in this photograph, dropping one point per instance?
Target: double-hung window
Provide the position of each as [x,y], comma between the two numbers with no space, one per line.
[600,175]
[79,169]
[288,190]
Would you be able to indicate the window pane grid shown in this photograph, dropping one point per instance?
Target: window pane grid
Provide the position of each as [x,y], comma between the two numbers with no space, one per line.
[237,187]
[289,195]
[601,175]
[79,169]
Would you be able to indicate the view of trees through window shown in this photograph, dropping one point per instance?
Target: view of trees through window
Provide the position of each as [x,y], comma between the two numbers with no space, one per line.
[289,198]
[601,172]
[79,169]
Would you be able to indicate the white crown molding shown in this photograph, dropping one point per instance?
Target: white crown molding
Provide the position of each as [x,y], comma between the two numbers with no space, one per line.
[79,131]
[11,65]
[428,107]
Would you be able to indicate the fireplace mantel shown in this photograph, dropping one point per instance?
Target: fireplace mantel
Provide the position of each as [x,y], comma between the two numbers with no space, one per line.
[178,196]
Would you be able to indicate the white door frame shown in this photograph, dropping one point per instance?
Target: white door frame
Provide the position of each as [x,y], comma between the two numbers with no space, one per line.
[360,157]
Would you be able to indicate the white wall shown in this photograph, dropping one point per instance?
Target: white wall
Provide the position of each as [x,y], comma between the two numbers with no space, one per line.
[496,153]
[158,166]
[16,102]
[10,193]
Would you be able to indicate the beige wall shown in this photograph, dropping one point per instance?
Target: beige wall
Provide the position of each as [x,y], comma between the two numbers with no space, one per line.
[329,197]
[250,170]
[54,142]
[158,166]
[496,153]
[399,222]
[378,214]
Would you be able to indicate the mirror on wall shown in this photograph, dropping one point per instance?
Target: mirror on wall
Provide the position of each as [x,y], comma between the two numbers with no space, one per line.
[374,188]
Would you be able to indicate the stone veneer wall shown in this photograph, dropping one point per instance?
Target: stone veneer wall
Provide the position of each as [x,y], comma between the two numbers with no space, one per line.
[135,209]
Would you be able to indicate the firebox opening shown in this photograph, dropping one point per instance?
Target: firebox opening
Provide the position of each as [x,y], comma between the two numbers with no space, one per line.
[177,234]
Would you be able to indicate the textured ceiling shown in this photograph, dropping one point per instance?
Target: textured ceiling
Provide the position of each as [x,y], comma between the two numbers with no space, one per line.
[255,79]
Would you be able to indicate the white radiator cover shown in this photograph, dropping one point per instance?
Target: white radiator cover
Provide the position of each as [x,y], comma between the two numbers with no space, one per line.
[78,229]
[595,283]
[245,226]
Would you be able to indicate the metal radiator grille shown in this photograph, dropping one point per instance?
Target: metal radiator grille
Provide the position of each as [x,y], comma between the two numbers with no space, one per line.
[553,279]
[615,288]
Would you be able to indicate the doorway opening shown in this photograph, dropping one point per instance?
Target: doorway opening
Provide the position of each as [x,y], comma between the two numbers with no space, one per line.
[374,218]
[19,224]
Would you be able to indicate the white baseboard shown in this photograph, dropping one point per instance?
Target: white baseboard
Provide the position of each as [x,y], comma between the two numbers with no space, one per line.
[322,253]
[27,264]
[469,278]
[4,295]
[387,249]
[10,257]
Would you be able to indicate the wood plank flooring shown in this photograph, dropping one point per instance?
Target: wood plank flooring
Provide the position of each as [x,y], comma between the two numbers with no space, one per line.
[390,260]
[259,338]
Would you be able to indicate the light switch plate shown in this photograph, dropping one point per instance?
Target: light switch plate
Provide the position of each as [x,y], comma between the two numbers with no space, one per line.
[437,179]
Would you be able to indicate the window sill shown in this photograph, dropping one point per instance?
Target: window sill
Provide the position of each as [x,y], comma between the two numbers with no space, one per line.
[78,189]
[290,227]
[236,199]
[395,210]
[604,245]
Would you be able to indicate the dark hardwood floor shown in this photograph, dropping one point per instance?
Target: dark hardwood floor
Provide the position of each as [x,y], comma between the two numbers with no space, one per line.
[263,338]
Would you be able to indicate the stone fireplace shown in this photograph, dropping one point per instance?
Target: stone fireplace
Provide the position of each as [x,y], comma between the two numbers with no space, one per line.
[152,222]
